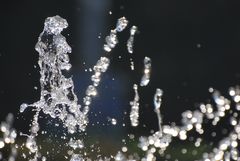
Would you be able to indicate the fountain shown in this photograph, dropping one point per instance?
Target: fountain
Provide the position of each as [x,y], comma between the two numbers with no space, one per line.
[59,101]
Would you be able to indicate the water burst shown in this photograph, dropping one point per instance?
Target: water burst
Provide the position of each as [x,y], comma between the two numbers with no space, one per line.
[130,41]
[9,136]
[146,72]
[134,114]
[59,101]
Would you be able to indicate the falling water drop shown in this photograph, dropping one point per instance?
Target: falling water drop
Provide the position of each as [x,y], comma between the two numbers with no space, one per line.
[91,91]
[59,101]
[134,114]
[157,100]
[76,144]
[130,41]
[146,72]
[2,144]
[23,107]
[121,24]
[76,157]
[113,121]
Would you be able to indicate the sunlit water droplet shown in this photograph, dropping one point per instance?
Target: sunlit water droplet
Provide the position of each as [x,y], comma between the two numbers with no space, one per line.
[134,113]
[59,101]
[76,144]
[146,72]
[23,107]
[131,39]
[121,24]
[113,121]
[76,157]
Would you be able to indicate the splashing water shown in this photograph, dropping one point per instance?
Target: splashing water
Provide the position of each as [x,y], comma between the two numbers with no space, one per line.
[99,68]
[112,39]
[57,91]
[59,101]
[157,103]
[75,144]
[134,114]
[146,72]
[9,137]
[130,41]
[130,44]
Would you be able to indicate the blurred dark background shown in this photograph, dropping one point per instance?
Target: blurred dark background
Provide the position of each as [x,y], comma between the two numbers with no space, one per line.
[194,45]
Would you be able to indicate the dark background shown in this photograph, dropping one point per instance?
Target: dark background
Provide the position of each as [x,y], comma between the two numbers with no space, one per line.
[193,44]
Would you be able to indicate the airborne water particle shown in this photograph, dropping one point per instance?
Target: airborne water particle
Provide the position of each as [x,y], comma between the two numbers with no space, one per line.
[198,142]
[121,24]
[76,157]
[134,114]
[113,121]
[184,151]
[23,107]
[124,149]
[146,72]
[2,144]
[59,101]
[130,41]
[76,144]
[210,89]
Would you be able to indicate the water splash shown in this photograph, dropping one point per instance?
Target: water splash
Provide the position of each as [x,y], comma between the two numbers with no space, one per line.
[112,39]
[121,24]
[77,157]
[134,114]
[227,148]
[58,100]
[99,68]
[76,144]
[130,41]
[146,72]
[103,63]
[9,136]
[157,100]
[57,92]
[130,44]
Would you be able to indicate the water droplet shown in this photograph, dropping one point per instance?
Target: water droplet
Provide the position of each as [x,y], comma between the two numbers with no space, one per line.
[76,157]
[2,144]
[111,40]
[131,39]
[55,25]
[121,24]
[113,121]
[158,98]
[146,72]
[91,91]
[23,107]
[76,144]
[134,114]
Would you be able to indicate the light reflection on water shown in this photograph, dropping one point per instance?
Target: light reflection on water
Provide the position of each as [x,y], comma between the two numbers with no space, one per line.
[155,143]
